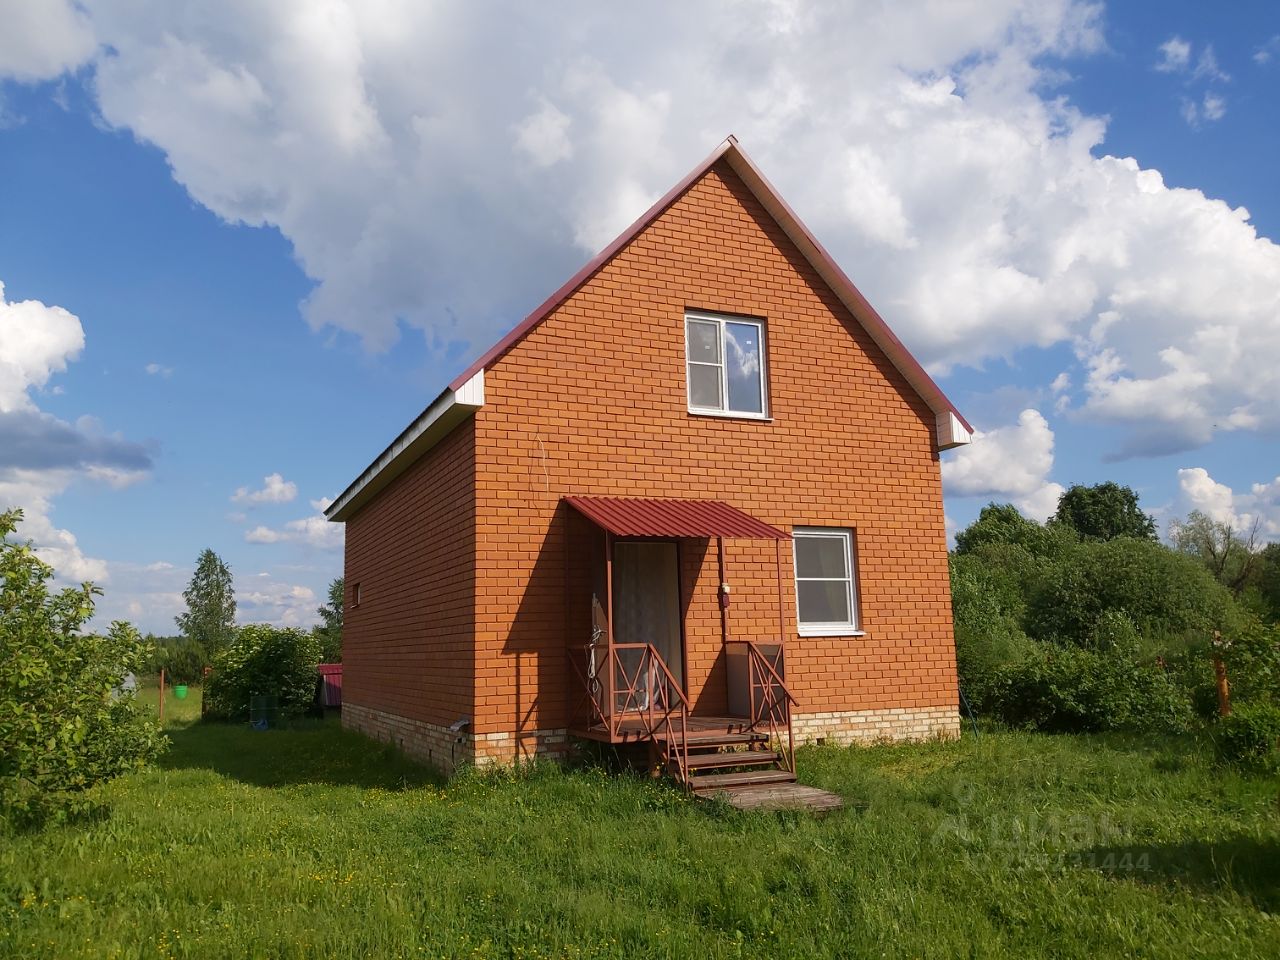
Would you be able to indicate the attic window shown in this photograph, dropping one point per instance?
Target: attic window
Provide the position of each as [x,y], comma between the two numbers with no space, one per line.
[724,365]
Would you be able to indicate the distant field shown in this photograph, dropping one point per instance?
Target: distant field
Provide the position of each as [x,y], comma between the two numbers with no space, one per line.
[311,842]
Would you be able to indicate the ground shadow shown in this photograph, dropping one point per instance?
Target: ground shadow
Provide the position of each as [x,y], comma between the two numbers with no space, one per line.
[301,752]
[1245,865]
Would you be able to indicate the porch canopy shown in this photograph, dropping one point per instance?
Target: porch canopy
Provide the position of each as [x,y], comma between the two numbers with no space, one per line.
[657,517]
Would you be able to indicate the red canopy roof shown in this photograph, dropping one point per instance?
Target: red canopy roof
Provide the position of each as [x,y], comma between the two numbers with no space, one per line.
[651,517]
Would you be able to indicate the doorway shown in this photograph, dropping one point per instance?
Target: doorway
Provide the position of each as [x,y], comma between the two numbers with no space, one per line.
[646,599]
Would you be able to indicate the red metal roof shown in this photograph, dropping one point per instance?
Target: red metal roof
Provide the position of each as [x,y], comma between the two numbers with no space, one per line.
[652,517]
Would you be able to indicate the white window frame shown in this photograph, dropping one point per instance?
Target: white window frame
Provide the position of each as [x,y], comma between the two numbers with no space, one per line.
[851,628]
[721,319]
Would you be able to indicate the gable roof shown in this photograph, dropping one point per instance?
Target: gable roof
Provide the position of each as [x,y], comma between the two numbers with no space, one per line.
[465,394]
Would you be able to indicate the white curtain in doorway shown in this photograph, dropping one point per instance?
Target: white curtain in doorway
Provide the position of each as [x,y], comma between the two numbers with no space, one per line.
[646,599]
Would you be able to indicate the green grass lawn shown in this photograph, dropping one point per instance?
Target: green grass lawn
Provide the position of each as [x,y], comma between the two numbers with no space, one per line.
[311,842]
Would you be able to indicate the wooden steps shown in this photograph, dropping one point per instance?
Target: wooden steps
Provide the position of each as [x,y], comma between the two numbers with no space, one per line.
[715,782]
[723,758]
[778,796]
[735,758]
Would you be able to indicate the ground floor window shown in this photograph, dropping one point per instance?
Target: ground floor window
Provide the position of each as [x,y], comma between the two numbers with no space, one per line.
[826,584]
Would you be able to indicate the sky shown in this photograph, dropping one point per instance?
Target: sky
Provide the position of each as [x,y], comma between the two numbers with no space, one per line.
[242,245]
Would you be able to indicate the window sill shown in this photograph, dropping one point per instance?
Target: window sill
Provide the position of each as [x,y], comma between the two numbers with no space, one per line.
[831,632]
[730,415]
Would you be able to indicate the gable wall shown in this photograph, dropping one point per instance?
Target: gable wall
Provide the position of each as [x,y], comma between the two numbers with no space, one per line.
[592,402]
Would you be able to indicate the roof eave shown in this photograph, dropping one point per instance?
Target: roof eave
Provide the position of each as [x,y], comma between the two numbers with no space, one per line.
[451,408]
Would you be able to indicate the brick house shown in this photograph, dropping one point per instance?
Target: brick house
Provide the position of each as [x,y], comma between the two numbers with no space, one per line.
[693,501]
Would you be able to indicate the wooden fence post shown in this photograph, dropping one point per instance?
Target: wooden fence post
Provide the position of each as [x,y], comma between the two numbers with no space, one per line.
[1220,672]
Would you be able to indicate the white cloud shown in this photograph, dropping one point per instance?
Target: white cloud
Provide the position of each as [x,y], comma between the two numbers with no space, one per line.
[40,40]
[275,489]
[36,341]
[33,492]
[1261,503]
[940,164]
[41,455]
[313,531]
[1207,67]
[544,135]
[1010,463]
[1175,55]
[260,598]
[148,595]
[1267,51]
[1213,107]
[158,370]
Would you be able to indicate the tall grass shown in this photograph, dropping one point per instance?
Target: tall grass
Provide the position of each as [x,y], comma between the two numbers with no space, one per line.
[311,842]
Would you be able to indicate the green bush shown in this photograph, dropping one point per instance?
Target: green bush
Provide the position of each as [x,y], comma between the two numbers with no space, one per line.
[1250,737]
[263,661]
[1067,689]
[986,604]
[64,723]
[1191,671]
[1253,663]
[1167,597]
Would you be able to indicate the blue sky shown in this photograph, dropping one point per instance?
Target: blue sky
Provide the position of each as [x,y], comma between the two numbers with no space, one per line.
[273,235]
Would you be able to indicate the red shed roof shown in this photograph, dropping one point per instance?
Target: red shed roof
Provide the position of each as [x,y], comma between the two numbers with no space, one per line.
[645,517]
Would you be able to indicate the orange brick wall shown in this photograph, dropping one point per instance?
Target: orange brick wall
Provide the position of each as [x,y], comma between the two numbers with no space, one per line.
[593,402]
[408,648]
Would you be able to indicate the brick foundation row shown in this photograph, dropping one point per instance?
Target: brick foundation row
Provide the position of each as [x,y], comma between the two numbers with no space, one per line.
[447,751]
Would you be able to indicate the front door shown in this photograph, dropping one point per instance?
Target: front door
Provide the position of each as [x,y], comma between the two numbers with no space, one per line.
[646,599]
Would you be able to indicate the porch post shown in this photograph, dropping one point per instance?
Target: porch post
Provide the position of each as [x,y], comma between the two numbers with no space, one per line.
[608,613]
[724,597]
[782,619]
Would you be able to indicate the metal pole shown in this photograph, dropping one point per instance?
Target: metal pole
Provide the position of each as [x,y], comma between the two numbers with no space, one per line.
[720,591]
[782,619]
[610,703]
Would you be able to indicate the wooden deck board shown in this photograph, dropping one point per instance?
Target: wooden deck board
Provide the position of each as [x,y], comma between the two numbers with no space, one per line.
[731,729]
[728,781]
[779,796]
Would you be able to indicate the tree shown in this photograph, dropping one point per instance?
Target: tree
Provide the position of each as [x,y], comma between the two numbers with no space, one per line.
[1001,524]
[65,723]
[1231,555]
[1104,511]
[330,633]
[1269,581]
[210,619]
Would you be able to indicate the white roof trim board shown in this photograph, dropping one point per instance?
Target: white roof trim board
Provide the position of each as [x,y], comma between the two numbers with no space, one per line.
[448,410]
